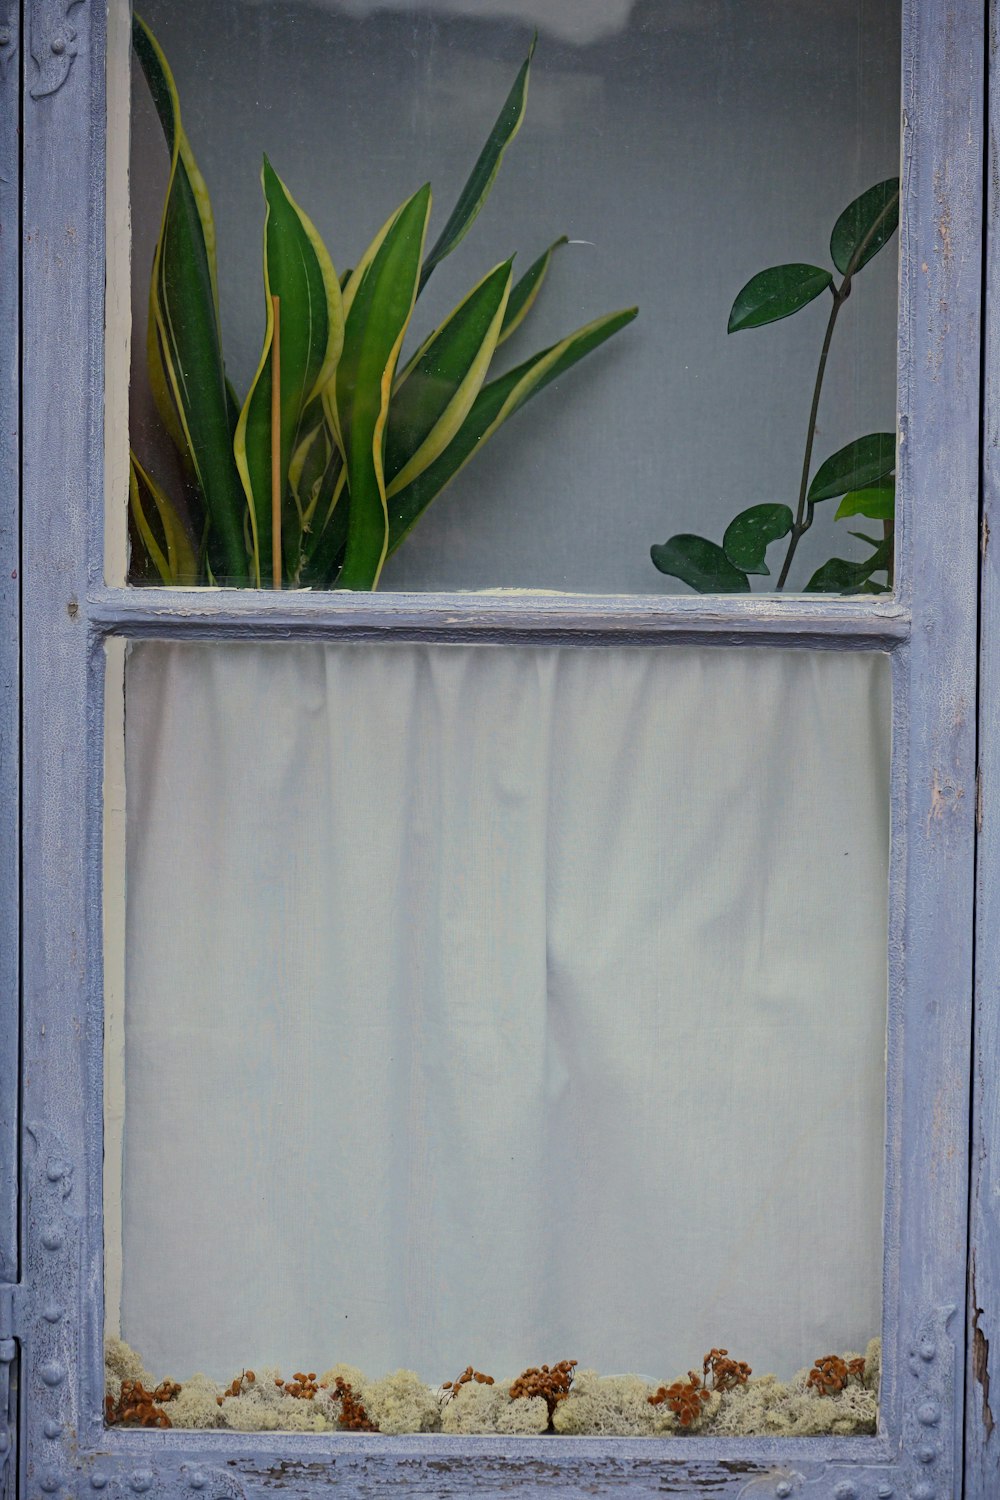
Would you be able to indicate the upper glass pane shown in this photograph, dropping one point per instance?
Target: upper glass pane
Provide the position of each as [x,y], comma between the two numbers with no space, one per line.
[727,169]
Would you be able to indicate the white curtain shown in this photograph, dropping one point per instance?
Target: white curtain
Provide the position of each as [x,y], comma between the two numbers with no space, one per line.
[503,1005]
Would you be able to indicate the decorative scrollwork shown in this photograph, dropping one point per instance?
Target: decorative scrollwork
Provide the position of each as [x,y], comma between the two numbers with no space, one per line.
[54,45]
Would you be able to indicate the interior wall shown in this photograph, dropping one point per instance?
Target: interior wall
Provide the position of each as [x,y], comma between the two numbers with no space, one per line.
[685,144]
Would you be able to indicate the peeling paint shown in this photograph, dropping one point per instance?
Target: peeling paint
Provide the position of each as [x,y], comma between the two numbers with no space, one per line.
[981,1359]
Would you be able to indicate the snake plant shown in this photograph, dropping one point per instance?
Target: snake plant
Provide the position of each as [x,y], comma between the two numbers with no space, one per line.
[321,472]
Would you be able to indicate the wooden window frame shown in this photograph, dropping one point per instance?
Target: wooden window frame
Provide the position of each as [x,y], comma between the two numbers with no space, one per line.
[56,615]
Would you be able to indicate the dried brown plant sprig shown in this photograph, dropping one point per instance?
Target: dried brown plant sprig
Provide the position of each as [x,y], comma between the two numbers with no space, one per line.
[138,1407]
[830,1374]
[353,1416]
[684,1398]
[552,1384]
[468,1374]
[724,1373]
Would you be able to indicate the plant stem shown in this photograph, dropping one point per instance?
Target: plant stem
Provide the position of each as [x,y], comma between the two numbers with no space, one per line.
[804,511]
[803,518]
[276,485]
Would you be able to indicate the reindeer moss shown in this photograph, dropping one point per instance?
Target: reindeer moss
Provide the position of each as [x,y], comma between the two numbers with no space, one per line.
[596,1406]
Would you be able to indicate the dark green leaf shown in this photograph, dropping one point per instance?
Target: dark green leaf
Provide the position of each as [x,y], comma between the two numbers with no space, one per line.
[878,504]
[524,292]
[476,189]
[860,465]
[496,402]
[436,391]
[865,226]
[749,535]
[777,293]
[701,564]
[838,576]
[186,368]
[380,311]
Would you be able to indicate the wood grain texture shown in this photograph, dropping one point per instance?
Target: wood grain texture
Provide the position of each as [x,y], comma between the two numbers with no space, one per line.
[931,631]
[982,1441]
[10,707]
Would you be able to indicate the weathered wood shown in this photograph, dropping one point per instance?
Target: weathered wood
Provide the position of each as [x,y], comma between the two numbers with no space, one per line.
[930,630]
[227,613]
[982,1442]
[10,706]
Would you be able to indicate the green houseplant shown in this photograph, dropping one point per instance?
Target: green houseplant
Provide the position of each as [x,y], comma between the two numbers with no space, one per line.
[335,453]
[861,475]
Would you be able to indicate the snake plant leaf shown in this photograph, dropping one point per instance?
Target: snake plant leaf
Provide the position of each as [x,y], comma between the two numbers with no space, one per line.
[701,564]
[298,271]
[435,392]
[749,535]
[878,503]
[865,226]
[325,547]
[380,306]
[525,291]
[497,401]
[839,576]
[857,466]
[777,293]
[477,188]
[185,342]
[162,530]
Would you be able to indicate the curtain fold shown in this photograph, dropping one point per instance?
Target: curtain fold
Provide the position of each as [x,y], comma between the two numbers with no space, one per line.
[503,1005]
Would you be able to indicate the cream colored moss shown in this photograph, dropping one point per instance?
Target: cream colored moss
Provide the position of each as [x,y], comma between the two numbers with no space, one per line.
[197,1404]
[766,1406]
[488,1408]
[121,1362]
[599,1406]
[401,1403]
[615,1405]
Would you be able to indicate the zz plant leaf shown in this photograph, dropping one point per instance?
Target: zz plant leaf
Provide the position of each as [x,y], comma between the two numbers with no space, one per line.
[701,564]
[777,293]
[335,445]
[749,535]
[862,471]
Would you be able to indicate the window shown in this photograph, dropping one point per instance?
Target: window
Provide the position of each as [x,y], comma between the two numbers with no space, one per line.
[499,717]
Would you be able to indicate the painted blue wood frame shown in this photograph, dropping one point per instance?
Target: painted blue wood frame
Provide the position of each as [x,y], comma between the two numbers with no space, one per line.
[982,1441]
[10,711]
[930,631]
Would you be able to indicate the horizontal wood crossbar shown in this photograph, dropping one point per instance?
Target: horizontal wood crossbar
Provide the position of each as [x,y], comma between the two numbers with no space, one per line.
[819,622]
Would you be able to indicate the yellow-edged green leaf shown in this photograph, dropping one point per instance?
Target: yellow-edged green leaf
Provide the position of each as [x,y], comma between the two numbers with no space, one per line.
[298,271]
[496,402]
[380,307]
[477,188]
[525,291]
[435,392]
[162,532]
[185,349]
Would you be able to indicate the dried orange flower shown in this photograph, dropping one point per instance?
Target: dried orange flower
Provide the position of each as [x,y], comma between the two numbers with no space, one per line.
[467,1375]
[551,1384]
[725,1373]
[353,1416]
[138,1407]
[830,1374]
[684,1398]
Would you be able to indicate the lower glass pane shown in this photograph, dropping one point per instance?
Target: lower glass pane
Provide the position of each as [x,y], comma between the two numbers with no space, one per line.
[489,1007]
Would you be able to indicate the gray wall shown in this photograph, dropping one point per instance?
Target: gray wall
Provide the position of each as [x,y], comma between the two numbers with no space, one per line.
[693,142]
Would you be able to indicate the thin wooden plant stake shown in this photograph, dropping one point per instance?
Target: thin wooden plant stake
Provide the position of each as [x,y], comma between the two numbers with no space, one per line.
[276,444]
